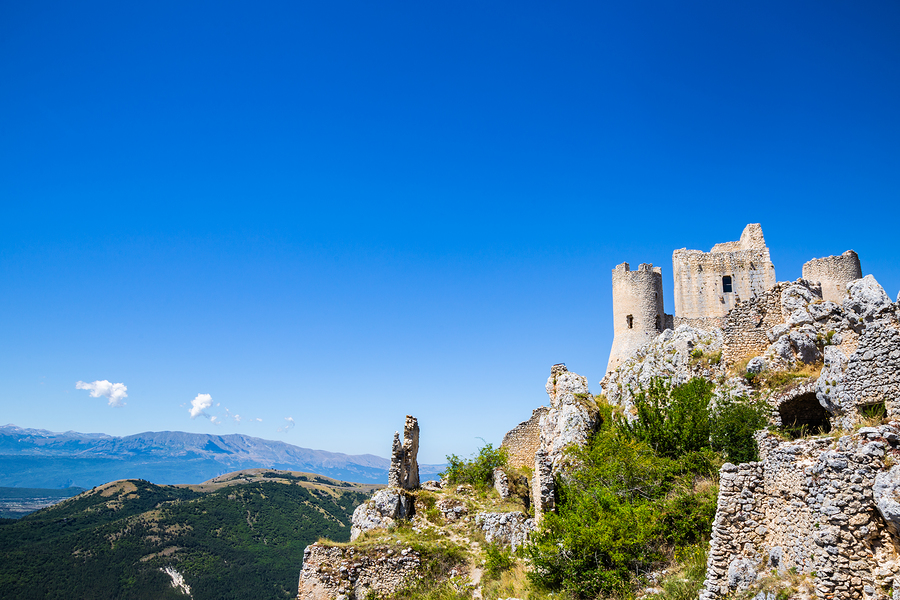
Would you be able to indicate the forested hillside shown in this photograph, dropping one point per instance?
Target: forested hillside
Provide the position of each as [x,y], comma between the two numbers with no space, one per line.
[238,536]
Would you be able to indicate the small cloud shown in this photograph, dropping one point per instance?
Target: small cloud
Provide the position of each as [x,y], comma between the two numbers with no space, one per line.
[258,419]
[116,392]
[287,426]
[199,405]
[237,418]
[215,420]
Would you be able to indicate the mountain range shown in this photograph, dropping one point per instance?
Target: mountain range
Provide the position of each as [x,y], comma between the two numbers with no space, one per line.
[38,458]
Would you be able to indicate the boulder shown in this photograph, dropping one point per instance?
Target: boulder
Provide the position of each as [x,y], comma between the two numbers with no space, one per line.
[865,297]
[384,508]
[804,344]
[795,298]
[756,365]
[741,574]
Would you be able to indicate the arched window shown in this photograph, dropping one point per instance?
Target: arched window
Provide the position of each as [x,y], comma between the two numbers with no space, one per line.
[630,320]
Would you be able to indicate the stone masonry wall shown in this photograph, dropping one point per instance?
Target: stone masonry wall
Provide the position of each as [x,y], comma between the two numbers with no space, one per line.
[524,440]
[808,505]
[872,375]
[745,327]
[834,273]
[699,275]
[638,313]
[331,572]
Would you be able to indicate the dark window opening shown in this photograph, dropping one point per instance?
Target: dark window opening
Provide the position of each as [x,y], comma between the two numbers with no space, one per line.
[803,415]
[726,284]
[658,323]
[630,320]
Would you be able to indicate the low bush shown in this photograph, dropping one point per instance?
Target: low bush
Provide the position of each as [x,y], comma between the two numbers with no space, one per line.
[618,512]
[479,470]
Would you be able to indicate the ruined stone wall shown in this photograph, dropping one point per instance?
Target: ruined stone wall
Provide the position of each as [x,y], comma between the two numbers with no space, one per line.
[704,323]
[331,572]
[872,375]
[699,291]
[745,327]
[524,440]
[834,273]
[638,314]
[808,505]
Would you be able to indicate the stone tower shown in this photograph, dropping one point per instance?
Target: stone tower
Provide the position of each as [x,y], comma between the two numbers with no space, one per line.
[834,273]
[638,314]
[709,284]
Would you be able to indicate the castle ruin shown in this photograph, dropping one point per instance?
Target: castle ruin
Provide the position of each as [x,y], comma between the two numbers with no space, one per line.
[834,273]
[708,287]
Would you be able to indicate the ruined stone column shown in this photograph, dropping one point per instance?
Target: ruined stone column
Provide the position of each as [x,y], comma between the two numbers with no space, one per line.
[394,473]
[409,476]
[543,487]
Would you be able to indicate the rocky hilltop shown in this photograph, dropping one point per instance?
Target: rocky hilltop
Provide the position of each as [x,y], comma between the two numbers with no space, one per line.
[814,364]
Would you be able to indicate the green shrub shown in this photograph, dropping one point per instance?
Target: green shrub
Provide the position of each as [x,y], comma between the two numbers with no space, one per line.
[673,421]
[677,421]
[734,423]
[618,510]
[640,489]
[479,471]
[497,560]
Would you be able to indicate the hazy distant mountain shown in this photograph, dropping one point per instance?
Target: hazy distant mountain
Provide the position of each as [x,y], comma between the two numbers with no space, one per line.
[45,459]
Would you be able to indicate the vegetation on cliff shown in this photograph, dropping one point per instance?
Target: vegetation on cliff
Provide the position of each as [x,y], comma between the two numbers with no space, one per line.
[237,538]
[642,492]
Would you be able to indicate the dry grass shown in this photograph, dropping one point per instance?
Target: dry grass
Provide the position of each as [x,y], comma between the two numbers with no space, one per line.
[780,381]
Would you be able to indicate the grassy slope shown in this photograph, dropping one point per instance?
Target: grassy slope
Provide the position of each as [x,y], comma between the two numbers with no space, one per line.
[238,536]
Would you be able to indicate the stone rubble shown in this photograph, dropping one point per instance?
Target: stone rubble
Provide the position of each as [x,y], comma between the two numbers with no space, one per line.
[507,528]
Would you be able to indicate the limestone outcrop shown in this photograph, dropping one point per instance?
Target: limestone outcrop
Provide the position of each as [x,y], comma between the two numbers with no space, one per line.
[675,356]
[384,509]
[572,416]
[391,504]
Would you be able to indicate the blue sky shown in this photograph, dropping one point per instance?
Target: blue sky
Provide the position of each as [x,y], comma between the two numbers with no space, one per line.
[346,212]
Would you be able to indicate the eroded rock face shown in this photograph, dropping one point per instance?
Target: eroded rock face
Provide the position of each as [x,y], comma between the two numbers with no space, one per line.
[572,416]
[507,528]
[865,298]
[381,511]
[353,573]
[404,469]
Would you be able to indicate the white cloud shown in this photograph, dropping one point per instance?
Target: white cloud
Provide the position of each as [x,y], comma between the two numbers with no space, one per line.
[237,418]
[215,421]
[258,419]
[199,405]
[289,425]
[116,392]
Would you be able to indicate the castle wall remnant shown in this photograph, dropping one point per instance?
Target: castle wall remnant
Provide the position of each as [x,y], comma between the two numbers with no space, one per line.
[709,284]
[524,440]
[745,328]
[638,315]
[834,273]
[811,506]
